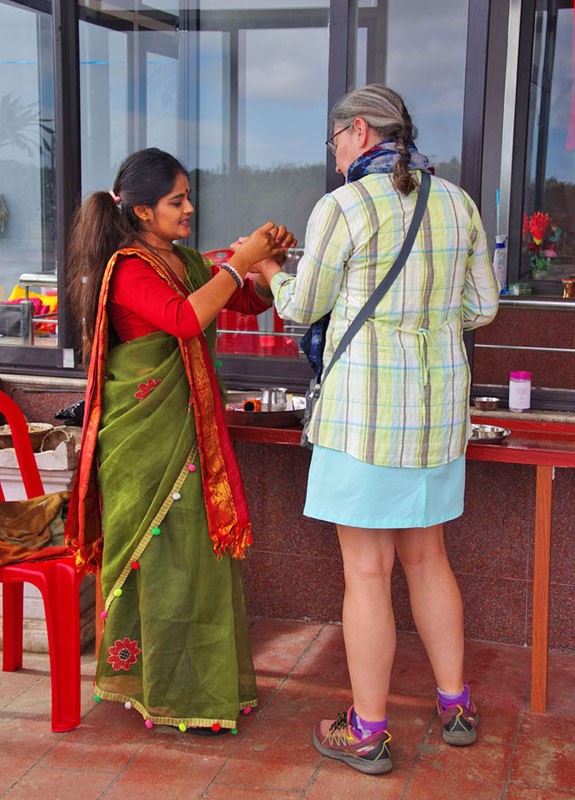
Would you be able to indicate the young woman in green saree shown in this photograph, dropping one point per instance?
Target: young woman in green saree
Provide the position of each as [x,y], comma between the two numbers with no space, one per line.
[158,501]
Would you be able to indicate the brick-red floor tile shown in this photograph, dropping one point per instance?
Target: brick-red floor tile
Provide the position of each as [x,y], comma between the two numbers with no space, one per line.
[302,677]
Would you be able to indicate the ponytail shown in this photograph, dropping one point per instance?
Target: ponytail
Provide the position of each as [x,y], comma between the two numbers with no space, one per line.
[403,179]
[99,229]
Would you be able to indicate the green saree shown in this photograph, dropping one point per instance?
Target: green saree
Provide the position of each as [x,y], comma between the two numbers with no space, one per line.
[175,643]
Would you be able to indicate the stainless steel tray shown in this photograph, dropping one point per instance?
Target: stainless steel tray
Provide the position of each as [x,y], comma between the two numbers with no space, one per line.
[488,434]
[235,415]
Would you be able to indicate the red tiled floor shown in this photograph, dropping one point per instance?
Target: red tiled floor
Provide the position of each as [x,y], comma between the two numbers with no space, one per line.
[167,771]
[60,784]
[302,676]
[518,791]
[336,781]
[545,752]
[477,772]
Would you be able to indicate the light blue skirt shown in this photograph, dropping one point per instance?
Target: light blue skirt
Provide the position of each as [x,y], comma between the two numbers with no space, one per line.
[347,491]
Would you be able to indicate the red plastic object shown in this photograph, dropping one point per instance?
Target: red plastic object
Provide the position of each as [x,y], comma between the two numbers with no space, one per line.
[218,256]
[235,321]
[59,584]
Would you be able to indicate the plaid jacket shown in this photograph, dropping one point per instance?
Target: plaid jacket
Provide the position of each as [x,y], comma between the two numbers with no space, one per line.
[399,394]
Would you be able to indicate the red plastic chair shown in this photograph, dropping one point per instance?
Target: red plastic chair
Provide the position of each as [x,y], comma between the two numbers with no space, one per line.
[59,584]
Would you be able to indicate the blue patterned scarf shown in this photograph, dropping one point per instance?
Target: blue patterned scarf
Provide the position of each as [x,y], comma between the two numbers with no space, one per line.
[382,157]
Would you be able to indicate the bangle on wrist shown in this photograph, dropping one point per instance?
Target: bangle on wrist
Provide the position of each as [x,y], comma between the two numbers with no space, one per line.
[234,273]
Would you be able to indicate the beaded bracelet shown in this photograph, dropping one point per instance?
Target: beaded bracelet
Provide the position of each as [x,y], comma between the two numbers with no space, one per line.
[234,273]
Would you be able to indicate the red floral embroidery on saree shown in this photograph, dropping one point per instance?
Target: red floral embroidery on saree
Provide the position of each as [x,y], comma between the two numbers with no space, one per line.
[144,389]
[123,654]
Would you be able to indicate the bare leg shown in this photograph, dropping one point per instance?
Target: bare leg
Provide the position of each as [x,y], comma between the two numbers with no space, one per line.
[435,602]
[368,622]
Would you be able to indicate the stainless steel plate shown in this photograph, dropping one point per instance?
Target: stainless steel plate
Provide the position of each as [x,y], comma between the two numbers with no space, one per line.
[488,434]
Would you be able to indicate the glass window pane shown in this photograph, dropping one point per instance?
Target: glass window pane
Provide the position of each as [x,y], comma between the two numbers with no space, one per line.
[129,88]
[260,151]
[422,58]
[550,159]
[260,145]
[103,104]
[27,188]
[237,91]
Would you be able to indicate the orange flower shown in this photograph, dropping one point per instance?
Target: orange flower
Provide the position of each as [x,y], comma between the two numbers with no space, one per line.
[538,225]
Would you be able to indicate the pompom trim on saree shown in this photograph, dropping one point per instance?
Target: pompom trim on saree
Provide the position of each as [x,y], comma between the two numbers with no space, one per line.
[149,534]
[189,722]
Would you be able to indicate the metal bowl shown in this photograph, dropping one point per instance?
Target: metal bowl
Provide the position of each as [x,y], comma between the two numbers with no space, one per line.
[36,430]
[486,403]
[488,434]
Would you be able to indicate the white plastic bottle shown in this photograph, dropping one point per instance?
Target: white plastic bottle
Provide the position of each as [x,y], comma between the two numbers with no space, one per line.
[500,262]
[519,391]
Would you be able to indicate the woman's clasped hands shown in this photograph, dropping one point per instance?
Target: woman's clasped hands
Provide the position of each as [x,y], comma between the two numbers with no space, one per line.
[270,241]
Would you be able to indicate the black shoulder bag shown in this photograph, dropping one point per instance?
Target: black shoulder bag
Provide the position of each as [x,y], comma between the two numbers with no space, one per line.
[312,394]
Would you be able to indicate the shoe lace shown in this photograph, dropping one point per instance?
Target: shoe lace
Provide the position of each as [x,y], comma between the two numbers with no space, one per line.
[339,731]
[463,716]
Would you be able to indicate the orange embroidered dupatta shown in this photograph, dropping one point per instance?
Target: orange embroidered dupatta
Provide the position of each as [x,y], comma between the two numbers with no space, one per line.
[227,514]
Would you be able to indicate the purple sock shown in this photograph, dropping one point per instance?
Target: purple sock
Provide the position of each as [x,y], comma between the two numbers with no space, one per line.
[461,699]
[363,728]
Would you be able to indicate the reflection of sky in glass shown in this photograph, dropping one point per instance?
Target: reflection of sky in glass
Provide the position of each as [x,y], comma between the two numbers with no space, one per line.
[211,105]
[161,102]
[282,97]
[103,105]
[560,161]
[26,95]
[283,81]
[426,65]
[285,97]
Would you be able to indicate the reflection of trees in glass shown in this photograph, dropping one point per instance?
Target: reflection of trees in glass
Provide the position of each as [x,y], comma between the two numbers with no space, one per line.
[231,206]
[22,127]
[228,206]
[450,170]
[18,125]
[559,203]
[3,215]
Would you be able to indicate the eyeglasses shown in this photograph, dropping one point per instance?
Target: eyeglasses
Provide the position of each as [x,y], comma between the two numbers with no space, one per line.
[330,145]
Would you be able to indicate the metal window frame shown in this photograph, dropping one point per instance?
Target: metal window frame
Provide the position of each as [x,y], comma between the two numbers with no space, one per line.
[244,371]
[342,23]
[516,121]
[61,359]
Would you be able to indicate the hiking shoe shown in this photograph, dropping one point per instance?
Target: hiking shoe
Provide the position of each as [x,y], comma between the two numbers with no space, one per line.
[459,723]
[336,739]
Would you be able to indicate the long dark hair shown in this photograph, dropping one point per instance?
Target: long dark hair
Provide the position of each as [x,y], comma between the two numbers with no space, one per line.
[104,224]
[385,112]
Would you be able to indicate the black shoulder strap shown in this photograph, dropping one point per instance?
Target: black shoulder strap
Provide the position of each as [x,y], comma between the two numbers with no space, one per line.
[389,278]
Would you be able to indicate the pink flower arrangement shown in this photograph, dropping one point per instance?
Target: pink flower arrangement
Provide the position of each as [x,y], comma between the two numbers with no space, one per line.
[540,237]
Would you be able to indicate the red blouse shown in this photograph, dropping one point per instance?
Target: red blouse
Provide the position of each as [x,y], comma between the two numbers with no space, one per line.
[141,302]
